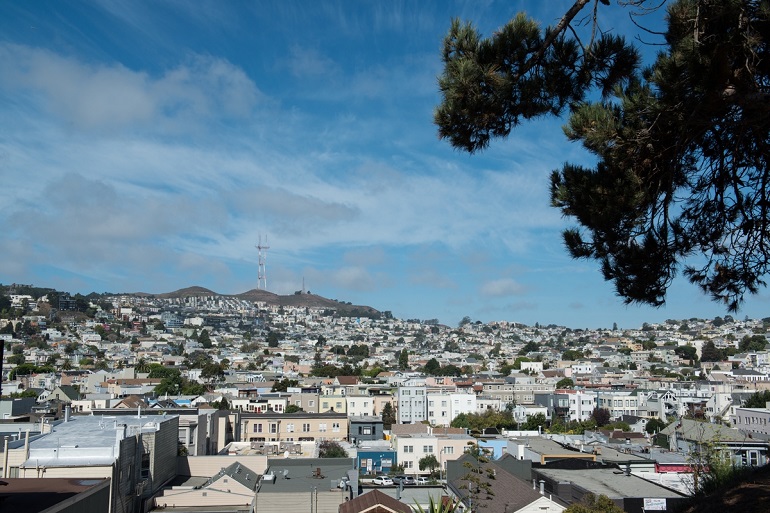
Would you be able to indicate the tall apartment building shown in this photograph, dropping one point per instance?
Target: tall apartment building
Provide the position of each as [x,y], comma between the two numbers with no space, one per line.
[444,407]
[412,404]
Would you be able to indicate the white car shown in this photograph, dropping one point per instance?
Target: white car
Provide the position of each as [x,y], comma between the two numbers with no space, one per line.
[382,481]
[422,480]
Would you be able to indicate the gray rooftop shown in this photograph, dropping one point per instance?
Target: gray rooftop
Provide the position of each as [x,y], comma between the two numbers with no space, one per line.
[610,482]
[88,440]
[304,474]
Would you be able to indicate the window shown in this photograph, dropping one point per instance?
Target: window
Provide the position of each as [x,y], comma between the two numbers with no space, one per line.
[367,430]
[257,428]
[306,428]
[409,448]
[325,405]
[443,403]
[322,427]
[311,403]
[336,427]
[290,428]
[273,428]
[427,448]
[352,404]
[408,464]
[430,403]
[339,405]
[449,450]
[145,468]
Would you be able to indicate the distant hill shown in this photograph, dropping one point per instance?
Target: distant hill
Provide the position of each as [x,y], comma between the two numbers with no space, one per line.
[254,295]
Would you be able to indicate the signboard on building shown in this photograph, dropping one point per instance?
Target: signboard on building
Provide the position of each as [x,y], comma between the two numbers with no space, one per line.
[654,505]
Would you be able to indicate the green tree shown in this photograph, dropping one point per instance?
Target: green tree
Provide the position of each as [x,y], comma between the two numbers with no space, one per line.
[403,360]
[331,449]
[534,422]
[565,383]
[388,415]
[273,338]
[293,408]
[571,355]
[680,180]
[156,370]
[433,367]
[590,503]
[753,343]
[758,400]
[428,462]
[654,425]
[204,340]
[212,373]
[518,361]
[15,359]
[686,352]
[284,384]
[710,353]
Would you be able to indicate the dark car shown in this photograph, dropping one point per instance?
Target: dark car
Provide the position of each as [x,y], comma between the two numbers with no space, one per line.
[405,480]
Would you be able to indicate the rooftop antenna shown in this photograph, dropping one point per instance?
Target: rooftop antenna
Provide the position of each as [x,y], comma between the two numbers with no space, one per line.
[262,271]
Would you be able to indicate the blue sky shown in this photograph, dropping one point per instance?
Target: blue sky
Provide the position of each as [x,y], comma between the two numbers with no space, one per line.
[146,146]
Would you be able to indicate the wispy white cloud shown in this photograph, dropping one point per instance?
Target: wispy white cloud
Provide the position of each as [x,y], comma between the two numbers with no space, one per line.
[98,97]
[502,287]
[308,63]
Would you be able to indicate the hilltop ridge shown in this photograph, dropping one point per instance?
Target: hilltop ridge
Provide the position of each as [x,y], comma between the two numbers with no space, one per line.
[256,295]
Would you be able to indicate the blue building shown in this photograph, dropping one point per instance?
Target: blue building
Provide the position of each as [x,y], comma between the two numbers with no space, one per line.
[374,460]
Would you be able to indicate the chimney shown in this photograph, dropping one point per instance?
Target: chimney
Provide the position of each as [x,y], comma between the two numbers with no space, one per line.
[67,413]
[542,487]
[120,433]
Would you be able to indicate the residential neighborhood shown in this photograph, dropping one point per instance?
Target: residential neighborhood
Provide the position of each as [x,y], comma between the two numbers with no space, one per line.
[167,403]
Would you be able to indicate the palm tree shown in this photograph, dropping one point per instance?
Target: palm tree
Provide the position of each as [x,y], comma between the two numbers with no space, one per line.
[437,507]
[142,366]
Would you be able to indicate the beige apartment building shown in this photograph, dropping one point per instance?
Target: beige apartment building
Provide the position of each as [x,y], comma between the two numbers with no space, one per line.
[291,427]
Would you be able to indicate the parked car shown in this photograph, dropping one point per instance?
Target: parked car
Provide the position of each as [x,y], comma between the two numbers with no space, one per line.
[382,481]
[406,480]
[422,480]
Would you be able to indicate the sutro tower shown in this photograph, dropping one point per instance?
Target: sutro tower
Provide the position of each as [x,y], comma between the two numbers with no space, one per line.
[262,271]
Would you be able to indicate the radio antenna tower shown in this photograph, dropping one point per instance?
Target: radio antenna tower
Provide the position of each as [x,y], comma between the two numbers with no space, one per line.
[262,271]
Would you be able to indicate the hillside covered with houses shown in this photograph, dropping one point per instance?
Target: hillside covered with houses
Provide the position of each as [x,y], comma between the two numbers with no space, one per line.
[263,383]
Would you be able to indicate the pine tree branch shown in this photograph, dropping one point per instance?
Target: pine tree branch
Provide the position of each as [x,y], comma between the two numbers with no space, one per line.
[560,27]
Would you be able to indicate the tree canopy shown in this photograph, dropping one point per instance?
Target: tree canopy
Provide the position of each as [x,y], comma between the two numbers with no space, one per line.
[758,400]
[680,183]
[331,449]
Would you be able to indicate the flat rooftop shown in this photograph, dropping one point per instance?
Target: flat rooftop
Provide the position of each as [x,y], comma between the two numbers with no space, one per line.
[35,495]
[91,440]
[610,482]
